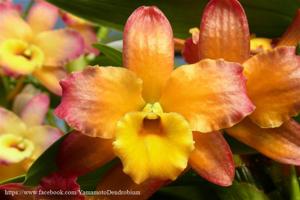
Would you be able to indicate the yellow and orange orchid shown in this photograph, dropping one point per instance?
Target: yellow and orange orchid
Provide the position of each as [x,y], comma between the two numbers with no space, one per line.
[273,78]
[33,48]
[154,118]
[23,138]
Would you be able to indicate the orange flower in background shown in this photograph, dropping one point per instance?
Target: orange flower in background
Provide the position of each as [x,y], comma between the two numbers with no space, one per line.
[291,37]
[24,137]
[31,47]
[273,79]
[154,118]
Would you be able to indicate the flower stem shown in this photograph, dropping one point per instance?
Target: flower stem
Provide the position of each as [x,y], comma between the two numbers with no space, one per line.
[294,185]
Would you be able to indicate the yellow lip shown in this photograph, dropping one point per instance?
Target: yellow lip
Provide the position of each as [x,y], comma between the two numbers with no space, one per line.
[14,149]
[20,56]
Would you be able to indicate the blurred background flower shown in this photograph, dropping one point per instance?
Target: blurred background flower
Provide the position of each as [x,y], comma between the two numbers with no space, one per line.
[23,135]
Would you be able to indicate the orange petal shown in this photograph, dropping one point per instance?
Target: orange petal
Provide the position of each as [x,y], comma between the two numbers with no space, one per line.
[224,31]
[273,84]
[50,77]
[116,180]
[80,154]
[148,49]
[12,170]
[210,94]
[95,99]
[212,158]
[292,35]
[281,144]
[12,25]
[60,46]
[42,16]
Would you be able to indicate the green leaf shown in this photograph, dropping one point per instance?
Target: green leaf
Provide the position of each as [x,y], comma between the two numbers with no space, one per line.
[17,179]
[275,195]
[3,101]
[188,192]
[101,61]
[266,17]
[89,181]
[189,186]
[44,165]
[112,56]
[189,178]
[241,191]
[298,49]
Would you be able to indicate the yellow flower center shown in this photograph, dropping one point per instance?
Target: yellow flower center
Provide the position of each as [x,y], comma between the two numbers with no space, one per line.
[153,144]
[20,57]
[153,110]
[14,149]
[258,45]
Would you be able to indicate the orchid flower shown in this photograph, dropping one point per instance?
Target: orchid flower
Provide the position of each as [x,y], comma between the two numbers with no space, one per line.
[33,48]
[154,118]
[273,78]
[23,138]
[86,30]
